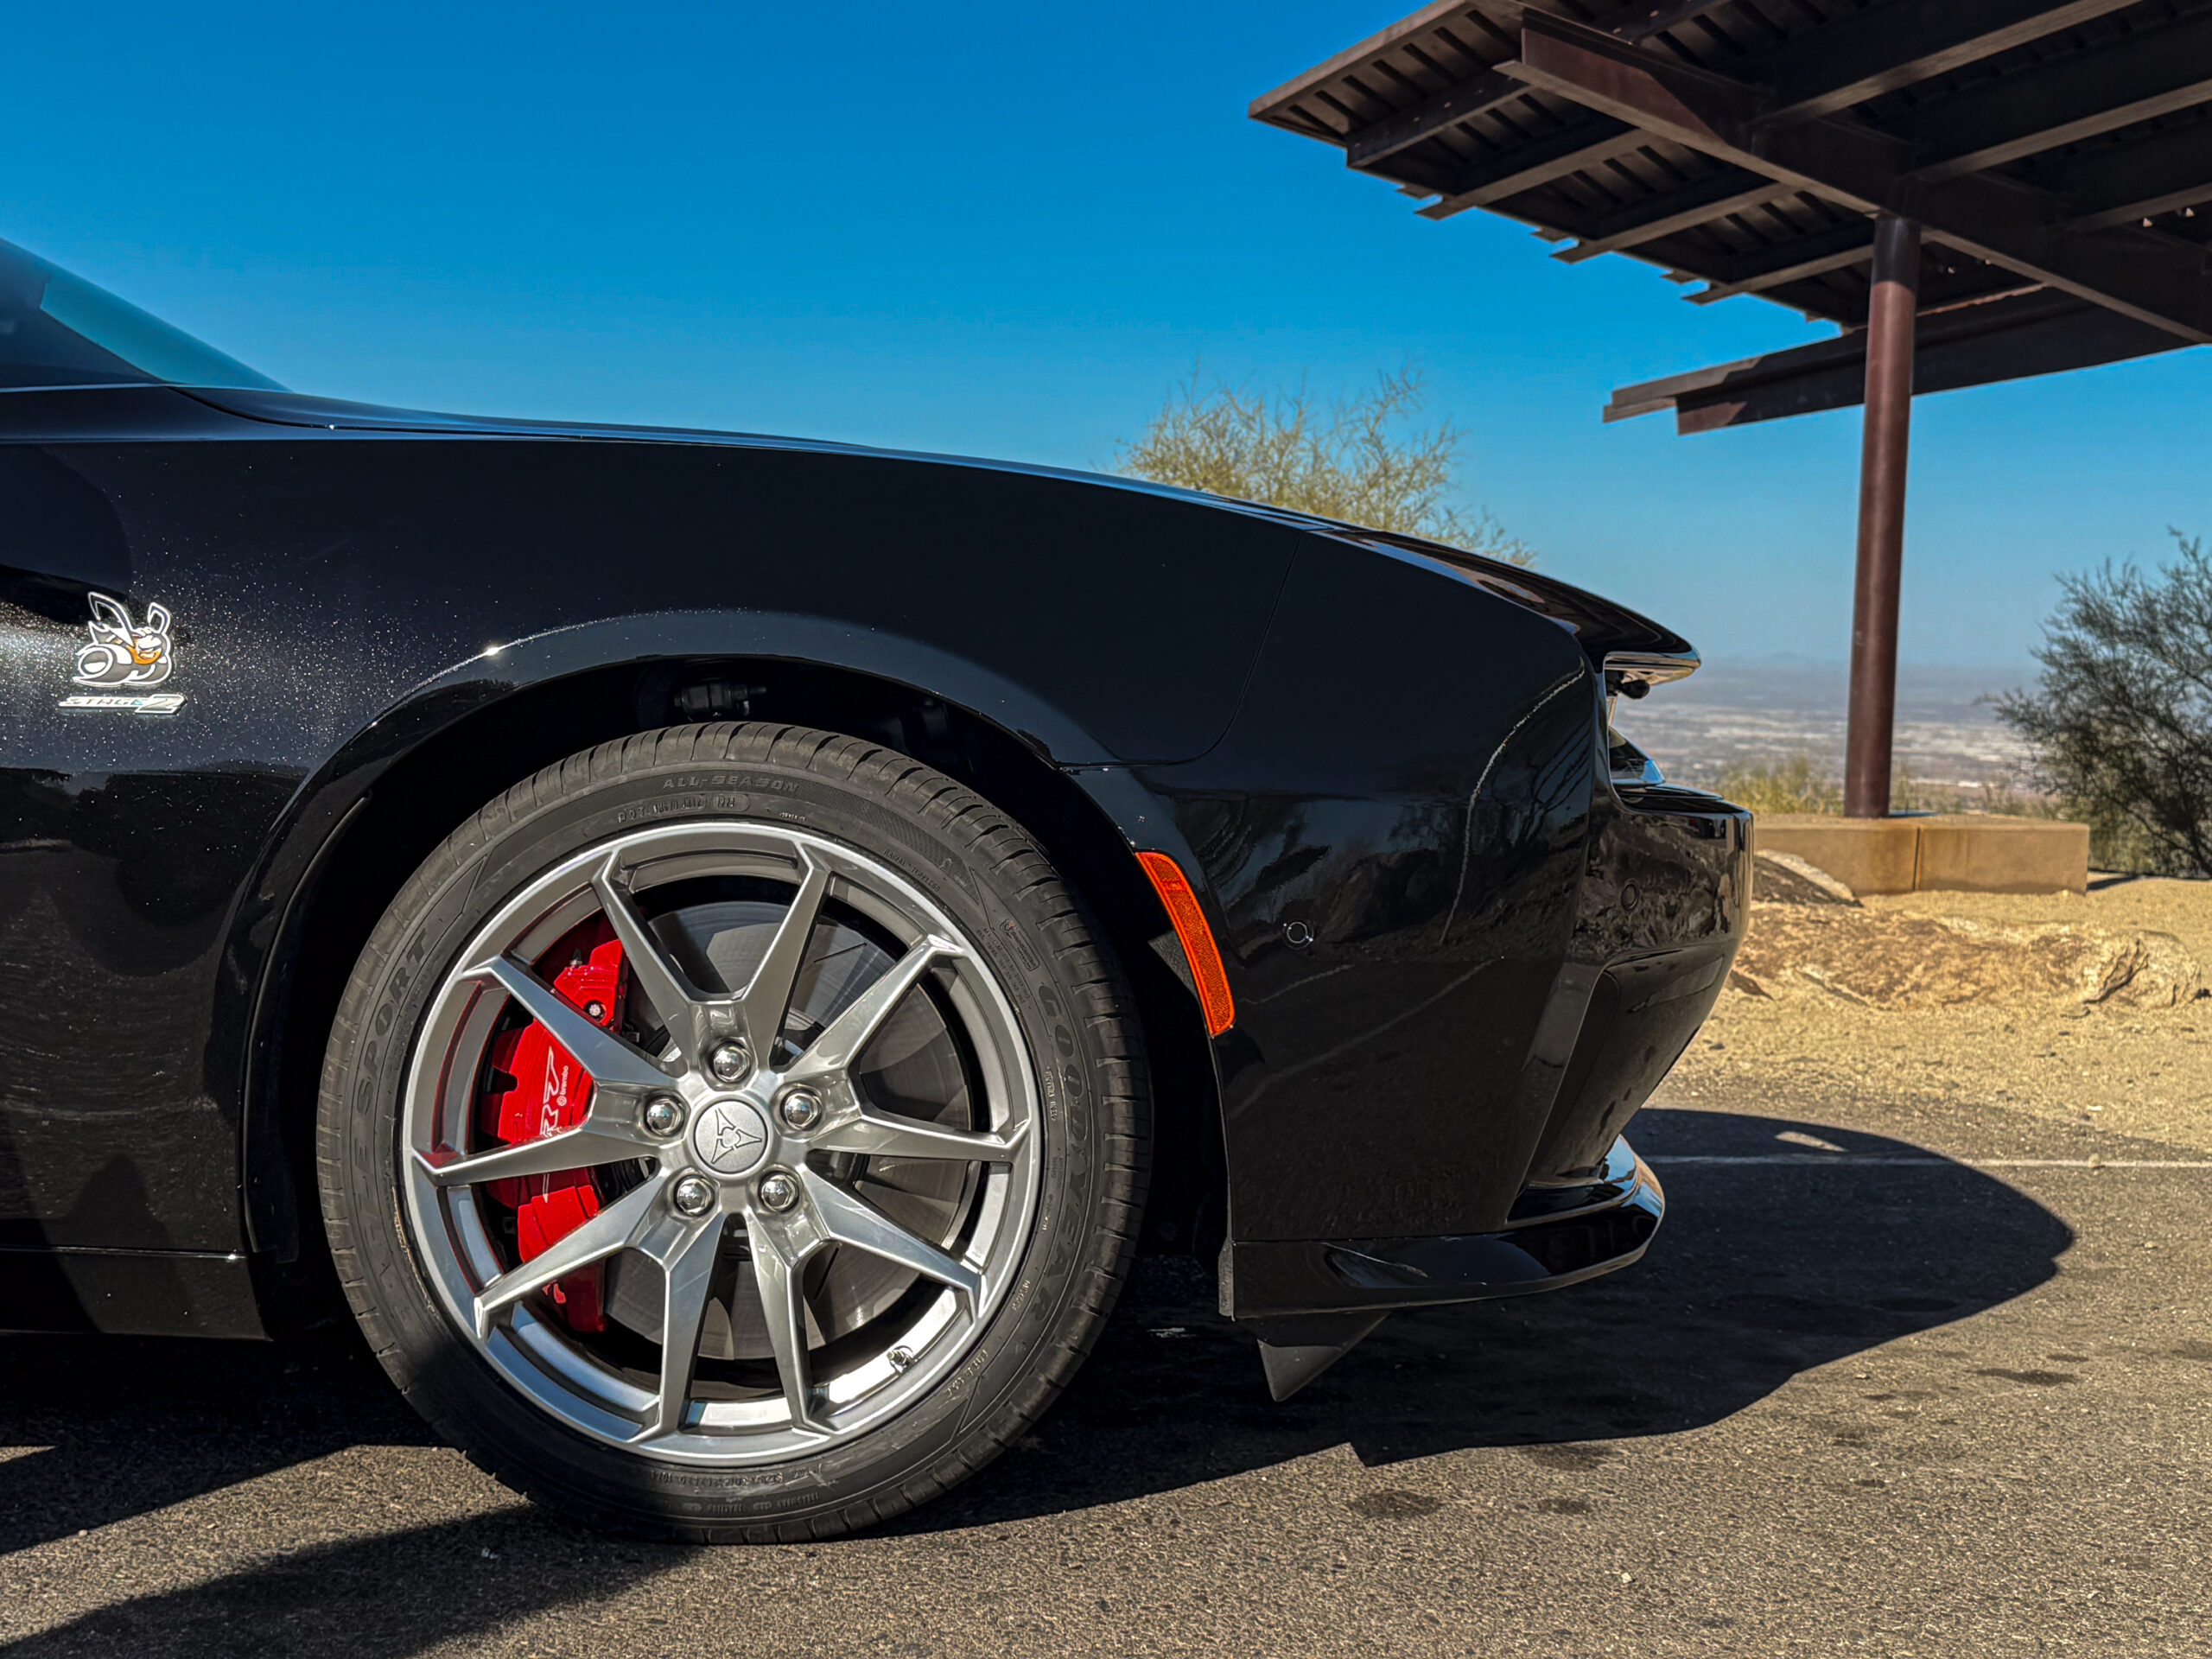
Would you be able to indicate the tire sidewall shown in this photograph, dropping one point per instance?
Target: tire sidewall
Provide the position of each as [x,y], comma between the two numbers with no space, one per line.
[973,1409]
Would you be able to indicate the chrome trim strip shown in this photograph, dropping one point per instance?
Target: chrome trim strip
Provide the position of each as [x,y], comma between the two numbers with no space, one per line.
[1649,668]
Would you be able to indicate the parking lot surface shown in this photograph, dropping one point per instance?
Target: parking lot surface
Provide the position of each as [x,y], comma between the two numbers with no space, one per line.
[1946,1388]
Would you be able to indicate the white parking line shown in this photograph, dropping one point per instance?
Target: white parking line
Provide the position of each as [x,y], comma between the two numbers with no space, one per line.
[1818,1160]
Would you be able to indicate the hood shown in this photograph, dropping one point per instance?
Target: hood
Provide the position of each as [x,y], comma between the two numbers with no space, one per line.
[1628,649]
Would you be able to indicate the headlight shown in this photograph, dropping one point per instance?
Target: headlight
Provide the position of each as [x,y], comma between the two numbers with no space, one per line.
[1632,674]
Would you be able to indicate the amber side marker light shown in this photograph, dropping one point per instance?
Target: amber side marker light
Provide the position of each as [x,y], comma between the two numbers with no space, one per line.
[1190,921]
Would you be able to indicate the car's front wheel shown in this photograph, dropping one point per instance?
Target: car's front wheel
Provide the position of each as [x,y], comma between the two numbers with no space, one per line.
[734,1131]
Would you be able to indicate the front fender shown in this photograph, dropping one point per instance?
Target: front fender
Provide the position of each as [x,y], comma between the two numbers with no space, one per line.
[269,931]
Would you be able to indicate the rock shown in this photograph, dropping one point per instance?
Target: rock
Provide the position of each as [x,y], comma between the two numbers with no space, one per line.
[1901,959]
[1740,981]
[2151,970]
[1786,879]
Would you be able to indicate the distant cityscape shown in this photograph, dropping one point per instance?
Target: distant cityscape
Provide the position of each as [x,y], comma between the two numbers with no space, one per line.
[1734,714]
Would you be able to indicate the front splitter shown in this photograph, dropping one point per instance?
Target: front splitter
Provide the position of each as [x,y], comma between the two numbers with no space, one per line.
[1606,1224]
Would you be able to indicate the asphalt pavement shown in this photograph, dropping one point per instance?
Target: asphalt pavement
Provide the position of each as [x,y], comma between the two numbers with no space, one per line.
[1889,1382]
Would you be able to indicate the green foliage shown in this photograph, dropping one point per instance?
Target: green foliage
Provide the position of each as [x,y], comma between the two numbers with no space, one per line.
[1798,784]
[1352,461]
[2121,722]
[1999,795]
[2007,799]
[1791,786]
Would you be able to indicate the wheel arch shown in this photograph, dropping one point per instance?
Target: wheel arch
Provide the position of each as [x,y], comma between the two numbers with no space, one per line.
[368,817]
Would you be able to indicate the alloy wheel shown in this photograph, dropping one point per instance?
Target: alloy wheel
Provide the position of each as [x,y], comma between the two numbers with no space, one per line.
[809,1138]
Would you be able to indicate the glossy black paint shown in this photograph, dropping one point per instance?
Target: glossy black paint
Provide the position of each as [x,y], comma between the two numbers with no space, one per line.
[1416,780]
[384,618]
[1581,1231]
[143,1293]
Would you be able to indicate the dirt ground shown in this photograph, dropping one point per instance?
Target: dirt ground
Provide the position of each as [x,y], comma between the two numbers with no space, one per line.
[2139,1071]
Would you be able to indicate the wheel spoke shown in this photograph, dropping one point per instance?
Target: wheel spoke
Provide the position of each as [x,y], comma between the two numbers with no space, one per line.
[833,1053]
[673,1001]
[873,1266]
[781,1283]
[605,1057]
[876,1136]
[612,1229]
[687,1260]
[851,1220]
[768,998]
[585,1147]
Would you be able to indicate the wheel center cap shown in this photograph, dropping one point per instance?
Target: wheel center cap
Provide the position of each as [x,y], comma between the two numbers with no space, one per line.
[729,1137]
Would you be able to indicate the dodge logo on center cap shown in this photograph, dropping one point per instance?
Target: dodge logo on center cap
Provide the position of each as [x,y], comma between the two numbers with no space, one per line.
[729,1137]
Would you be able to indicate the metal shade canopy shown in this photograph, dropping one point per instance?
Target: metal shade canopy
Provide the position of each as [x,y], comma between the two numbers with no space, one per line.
[1973,190]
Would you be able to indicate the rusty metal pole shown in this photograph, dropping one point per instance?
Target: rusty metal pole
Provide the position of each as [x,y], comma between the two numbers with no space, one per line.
[1882,455]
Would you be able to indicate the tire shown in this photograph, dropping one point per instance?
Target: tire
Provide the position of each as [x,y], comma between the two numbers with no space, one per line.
[918,1307]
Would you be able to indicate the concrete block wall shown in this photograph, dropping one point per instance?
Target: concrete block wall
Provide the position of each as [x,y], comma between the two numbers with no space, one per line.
[1964,852]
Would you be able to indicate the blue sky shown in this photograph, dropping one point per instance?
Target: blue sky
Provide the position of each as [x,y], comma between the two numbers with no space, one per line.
[1007,229]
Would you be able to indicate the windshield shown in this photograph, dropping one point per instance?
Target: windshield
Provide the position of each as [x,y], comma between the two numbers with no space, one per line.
[58,330]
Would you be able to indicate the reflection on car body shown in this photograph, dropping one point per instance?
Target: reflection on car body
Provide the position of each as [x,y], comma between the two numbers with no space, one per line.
[799,789]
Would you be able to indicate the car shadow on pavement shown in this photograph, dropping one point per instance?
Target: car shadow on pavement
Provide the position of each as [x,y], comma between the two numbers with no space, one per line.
[377,1598]
[1763,1270]
[97,1429]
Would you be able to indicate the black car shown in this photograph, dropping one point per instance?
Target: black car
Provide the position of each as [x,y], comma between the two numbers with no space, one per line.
[721,948]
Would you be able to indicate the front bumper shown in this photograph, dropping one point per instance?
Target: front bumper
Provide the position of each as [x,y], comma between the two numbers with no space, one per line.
[1557,1235]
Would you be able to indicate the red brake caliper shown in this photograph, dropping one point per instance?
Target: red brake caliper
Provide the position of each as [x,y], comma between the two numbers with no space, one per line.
[536,1088]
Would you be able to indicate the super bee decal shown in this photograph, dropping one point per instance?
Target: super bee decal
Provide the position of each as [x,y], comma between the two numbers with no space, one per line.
[128,656]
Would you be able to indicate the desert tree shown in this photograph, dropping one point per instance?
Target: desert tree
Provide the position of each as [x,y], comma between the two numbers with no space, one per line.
[2121,723]
[1354,459]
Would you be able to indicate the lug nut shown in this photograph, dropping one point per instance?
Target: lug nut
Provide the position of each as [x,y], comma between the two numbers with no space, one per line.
[800,1110]
[777,1191]
[730,1062]
[693,1195]
[663,1115]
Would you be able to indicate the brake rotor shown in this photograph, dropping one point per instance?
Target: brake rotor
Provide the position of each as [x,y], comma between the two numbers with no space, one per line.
[914,1069]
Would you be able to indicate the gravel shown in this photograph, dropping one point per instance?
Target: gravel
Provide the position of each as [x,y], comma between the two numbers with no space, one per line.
[2145,1072]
